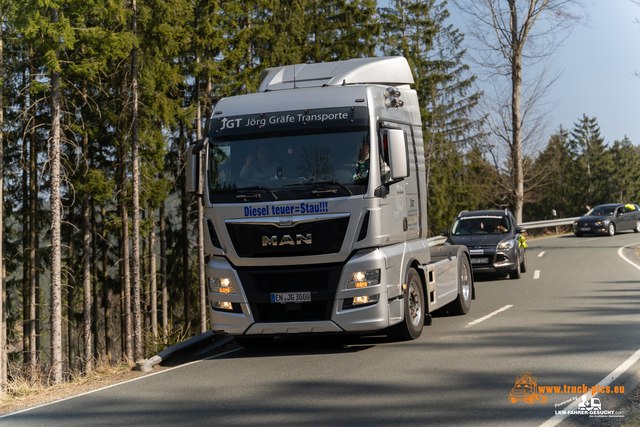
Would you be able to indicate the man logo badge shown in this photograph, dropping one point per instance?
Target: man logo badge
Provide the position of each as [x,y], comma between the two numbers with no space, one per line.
[286,240]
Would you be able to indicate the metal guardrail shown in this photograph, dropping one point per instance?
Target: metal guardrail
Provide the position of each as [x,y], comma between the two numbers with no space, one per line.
[550,223]
[439,240]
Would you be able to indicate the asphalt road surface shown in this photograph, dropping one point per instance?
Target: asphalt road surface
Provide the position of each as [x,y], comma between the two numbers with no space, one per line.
[572,319]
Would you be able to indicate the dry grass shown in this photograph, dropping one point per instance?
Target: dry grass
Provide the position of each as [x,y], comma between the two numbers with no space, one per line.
[24,390]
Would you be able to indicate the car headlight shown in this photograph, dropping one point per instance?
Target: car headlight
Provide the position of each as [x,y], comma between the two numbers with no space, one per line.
[219,285]
[506,245]
[364,279]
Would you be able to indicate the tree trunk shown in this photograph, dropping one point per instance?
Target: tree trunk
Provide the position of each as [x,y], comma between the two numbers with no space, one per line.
[3,364]
[86,284]
[70,289]
[94,276]
[185,241]
[56,207]
[33,206]
[25,237]
[126,283]
[137,320]
[201,186]
[106,289]
[163,271]
[516,86]
[152,272]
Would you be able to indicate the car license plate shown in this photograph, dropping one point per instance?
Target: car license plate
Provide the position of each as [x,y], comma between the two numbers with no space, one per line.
[479,260]
[585,228]
[285,297]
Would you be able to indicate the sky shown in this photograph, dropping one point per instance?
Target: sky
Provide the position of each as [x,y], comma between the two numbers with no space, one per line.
[597,63]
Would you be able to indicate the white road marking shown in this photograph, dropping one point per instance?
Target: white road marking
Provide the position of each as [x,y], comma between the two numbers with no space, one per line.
[621,254]
[558,418]
[482,319]
[587,240]
[116,384]
[536,274]
[540,254]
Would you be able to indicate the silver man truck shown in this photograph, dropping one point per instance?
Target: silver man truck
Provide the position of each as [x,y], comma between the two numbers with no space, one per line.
[315,207]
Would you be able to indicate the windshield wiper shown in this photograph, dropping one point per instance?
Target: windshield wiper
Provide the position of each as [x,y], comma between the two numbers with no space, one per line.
[322,183]
[255,196]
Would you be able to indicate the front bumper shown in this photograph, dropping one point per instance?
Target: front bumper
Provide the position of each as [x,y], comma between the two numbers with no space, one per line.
[592,229]
[500,262]
[326,313]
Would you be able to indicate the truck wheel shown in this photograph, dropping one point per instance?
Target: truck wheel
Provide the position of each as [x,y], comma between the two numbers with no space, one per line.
[251,342]
[462,304]
[523,264]
[410,327]
[515,274]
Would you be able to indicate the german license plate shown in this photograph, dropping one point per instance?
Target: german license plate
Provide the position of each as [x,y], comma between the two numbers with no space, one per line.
[285,297]
[479,260]
[585,228]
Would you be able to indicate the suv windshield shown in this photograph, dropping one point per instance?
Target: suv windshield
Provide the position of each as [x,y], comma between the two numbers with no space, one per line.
[477,225]
[294,164]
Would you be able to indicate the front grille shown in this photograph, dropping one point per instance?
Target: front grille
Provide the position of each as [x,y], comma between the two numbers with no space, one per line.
[326,238]
[259,283]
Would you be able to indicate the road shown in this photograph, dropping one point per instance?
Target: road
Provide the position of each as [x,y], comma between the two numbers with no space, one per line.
[572,325]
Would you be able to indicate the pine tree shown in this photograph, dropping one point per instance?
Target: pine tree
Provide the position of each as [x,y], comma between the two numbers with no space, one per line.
[418,31]
[587,147]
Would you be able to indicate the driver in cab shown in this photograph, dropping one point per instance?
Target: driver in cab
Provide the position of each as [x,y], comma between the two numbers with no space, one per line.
[260,166]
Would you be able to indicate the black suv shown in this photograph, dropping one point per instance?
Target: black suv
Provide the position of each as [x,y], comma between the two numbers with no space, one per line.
[493,239]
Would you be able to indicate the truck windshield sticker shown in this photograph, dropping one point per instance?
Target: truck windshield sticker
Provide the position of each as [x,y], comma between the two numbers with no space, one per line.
[297,208]
[288,120]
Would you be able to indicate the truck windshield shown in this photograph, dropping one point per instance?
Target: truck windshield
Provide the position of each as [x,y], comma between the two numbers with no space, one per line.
[288,166]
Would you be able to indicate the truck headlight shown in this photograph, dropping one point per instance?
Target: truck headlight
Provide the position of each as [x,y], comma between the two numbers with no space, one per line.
[506,245]
[221,286]
[363,279]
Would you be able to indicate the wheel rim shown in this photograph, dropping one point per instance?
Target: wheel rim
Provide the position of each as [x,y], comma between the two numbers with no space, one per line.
[415,307]
[464,282]
[611,229]
[638,226]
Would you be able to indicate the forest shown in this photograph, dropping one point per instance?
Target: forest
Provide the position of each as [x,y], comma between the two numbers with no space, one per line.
[99,101]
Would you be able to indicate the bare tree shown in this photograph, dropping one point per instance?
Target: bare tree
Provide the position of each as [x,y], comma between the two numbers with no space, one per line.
[516,39]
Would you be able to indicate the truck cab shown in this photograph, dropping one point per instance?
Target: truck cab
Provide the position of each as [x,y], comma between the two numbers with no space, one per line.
[315,206]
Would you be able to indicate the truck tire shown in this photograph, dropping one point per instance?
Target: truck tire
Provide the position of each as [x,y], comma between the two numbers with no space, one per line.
[410,327]
[252,342]
[462,304]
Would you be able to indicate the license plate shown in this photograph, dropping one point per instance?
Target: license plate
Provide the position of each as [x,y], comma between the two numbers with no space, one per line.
[476,251]
[285,297]
[585,228]
[479,260]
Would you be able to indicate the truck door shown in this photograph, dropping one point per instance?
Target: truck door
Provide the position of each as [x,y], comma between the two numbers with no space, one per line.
[394,224]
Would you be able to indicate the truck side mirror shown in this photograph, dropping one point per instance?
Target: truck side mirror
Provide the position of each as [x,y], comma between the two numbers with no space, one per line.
[398,154]
[193,164]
